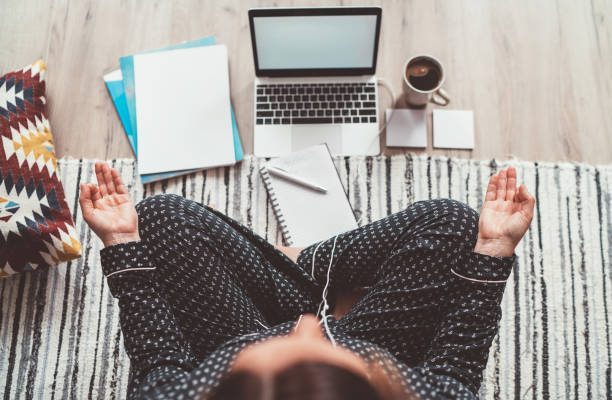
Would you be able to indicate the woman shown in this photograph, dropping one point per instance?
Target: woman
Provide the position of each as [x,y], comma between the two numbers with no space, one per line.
[209,309]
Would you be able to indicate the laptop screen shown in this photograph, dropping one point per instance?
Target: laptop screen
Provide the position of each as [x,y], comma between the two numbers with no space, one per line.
[315,42]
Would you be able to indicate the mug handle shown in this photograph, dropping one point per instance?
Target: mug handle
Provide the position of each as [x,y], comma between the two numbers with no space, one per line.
[440,97]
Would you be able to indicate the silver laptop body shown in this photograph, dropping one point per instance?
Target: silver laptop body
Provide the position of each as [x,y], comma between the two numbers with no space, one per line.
[315,79]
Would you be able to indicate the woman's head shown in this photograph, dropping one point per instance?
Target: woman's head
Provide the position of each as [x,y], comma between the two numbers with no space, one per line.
[307,380]
[303,366]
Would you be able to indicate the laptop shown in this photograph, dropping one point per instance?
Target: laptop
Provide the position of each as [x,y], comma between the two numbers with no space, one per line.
[315,79]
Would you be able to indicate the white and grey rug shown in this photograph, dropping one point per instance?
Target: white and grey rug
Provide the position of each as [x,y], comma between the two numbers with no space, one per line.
[59,327]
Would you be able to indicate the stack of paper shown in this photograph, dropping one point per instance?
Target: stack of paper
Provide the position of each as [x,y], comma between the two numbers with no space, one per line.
[175,108]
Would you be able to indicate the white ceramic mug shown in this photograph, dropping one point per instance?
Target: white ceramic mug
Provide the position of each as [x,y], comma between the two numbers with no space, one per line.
[419,98]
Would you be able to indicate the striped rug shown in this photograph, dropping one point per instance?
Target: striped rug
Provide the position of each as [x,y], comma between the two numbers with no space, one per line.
[59,330]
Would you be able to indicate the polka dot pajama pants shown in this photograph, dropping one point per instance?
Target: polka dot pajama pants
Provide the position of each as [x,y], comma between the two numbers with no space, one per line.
[222,280]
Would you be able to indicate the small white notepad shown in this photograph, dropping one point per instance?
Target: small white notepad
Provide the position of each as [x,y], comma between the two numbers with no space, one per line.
[453,129]
[306,216]
[406,128]
[183,109]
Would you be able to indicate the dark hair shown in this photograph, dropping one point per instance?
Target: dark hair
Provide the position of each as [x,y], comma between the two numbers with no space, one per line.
[304,381]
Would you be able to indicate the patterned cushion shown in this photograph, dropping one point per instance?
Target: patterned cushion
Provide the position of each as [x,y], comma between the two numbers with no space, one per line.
[36,228]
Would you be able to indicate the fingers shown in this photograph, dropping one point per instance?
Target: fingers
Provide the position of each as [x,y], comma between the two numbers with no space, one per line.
[118,182]
[108,178]
[85,192]
[501,184]
[101,180]
[527,200]
[523,194]
[503,187]
[85,200]
[95,192]
[511,183]
[491,189]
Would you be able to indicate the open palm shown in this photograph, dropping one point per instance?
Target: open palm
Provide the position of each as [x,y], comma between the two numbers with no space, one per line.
[506,215]
[108,208]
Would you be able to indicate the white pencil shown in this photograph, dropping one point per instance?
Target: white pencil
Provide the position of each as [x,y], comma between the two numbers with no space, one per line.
[284,174]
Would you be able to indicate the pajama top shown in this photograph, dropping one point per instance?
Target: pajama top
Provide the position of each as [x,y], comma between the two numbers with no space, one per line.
[200,286]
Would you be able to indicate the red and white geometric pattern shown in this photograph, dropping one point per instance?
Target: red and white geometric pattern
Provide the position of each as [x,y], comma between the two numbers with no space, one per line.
[36,227]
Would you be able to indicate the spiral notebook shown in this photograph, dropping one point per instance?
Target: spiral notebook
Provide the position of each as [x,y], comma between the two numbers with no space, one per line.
[306,216]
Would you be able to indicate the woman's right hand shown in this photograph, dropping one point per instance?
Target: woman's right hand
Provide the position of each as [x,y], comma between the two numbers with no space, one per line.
[108,208]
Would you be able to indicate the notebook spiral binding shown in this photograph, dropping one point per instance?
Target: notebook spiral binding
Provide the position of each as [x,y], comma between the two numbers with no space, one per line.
[279,216]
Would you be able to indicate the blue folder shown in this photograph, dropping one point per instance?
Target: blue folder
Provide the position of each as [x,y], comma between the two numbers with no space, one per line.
[124,97]
[117,93]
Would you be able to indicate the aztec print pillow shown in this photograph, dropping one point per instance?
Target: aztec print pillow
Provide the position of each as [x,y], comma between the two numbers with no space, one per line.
[36,228]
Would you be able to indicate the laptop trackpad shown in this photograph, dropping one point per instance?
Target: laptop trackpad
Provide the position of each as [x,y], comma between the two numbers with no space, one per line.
[303,136]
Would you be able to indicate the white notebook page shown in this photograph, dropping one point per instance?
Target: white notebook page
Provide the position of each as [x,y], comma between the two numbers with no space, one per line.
[183,109]
[312,216]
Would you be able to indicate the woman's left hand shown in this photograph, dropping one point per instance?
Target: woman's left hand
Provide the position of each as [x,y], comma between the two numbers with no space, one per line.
[505,217]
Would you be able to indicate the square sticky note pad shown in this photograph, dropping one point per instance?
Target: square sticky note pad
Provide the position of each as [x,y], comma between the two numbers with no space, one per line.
[453,129]
[406,128]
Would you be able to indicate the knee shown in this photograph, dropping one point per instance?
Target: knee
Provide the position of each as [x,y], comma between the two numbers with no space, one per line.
[158,211]
[172,214]
[453,216]
[158,204]
[455,208]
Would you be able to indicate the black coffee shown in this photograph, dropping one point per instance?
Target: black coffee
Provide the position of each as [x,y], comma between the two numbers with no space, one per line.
[423,74]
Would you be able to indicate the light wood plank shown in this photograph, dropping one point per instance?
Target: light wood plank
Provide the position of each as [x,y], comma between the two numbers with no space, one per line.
[538,75]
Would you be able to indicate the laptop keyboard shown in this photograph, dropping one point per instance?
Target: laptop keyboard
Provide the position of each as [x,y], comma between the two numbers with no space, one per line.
[315,103]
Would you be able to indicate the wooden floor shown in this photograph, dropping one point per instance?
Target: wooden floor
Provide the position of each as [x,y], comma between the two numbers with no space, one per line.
[538,74]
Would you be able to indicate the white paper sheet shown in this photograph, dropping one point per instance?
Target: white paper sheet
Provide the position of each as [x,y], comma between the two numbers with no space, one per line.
[183,109]
[309,215]
[453,129]
[406,128]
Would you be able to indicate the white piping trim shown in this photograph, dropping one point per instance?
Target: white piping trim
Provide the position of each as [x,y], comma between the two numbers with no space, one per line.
[476,280]
[313,259]
[129,269]
[259,322]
